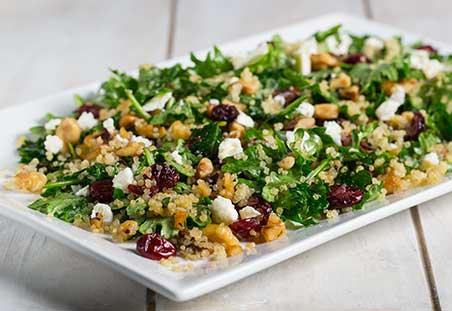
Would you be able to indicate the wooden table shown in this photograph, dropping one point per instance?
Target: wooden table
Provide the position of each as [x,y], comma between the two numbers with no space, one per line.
[400,263]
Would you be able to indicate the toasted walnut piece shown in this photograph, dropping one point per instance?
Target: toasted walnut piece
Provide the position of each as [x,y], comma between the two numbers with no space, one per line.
[287,163]
[202,189]
[144,129]
[124,107]
[96,225]
[178,130]
[323,61]
[221,233]
[236,130]
[124,133]
[227,184]
[179,219]
[351,92]
[132,149]
[69,131]
[250,84]
[305,123]
[388,87]
[274,228]
[326,111]
[125,231]
[409,85]
[341,81]
[30,181]
[128,121]
[204,168]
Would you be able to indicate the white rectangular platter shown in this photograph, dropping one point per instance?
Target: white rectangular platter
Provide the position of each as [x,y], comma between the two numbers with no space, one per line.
[205,277]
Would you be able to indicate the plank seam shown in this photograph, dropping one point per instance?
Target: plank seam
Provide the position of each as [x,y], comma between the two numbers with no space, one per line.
[425,258]
[368,9]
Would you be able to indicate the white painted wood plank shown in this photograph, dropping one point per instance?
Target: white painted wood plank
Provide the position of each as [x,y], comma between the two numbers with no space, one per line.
[436,219]
[47,46]
[377,267]
[431,18]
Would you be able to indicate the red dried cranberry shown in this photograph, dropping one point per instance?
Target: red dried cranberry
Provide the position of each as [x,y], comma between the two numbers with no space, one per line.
[212,179]
[416,126]
[165,176]
[344,196]
[357,58]
[104,134]
[154,247]
[289,94]
[101,191]
[262,207]
[428,48]
[88,107]
[247,229]
[346,140]
[137,190]
[365,146]
[224,113]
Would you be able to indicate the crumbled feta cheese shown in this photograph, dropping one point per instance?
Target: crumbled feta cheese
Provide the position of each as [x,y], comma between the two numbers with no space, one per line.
[334,131]
[109,125]
[242,60]
[290,137]
[53,144]
[223,211]
[229,147]
[140,139]
[420,59]
[123,179]
[177,157]
[52,124]
[372,46]
[157,102]
[102,211]
[214,101]
[432,158]
[306,109]
[82,192]
[280,100]
[307,48]
[86,121]
[339,47]
[244,120]
[121,139]
[248,212]
[388,108]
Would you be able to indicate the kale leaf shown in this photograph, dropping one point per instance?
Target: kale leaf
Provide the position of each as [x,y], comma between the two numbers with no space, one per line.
[65,206]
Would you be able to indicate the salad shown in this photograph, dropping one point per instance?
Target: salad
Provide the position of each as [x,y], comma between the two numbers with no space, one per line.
[204,161]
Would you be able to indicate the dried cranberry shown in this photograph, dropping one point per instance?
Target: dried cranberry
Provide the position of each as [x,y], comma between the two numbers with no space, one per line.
[344,196]
[101,191]
[88,107]
[247,229]
[104,134]
[165,176]
[137,190]
[365,146]
[346,140]
[212,179]
[357,58]
[262,207]
[416,126]
[224,113]
[428,48]
[154,247]
[289,94]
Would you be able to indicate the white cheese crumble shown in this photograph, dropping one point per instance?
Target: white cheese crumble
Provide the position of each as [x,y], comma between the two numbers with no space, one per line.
[373,46]
[388,108]
[248,212]
[306,109]
[82,192]
[223,211]
[102,211]
[123,179]
[53,144]
[339,47]
[334,131]
[177,157]
[290,137]
[214,101]
[307,48]
[242,60]
[121,139]
[244,120]
[52,124]
[432,158]
[420,59]
[158,102]
[229,147]
[140,139]
[280,100]
[86,121]
[109,125]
